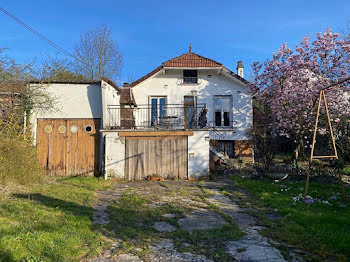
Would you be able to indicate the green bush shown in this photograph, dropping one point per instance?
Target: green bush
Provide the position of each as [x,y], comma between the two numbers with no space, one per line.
[346,171]
[18,162]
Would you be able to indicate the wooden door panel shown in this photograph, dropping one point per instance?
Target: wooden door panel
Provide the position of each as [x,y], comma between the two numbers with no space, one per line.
[156,156]
[69,150]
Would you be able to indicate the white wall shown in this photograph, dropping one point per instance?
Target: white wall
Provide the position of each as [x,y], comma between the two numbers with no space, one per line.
[70,101]
[110,96]
[217,84]
[198,154]
[114,155]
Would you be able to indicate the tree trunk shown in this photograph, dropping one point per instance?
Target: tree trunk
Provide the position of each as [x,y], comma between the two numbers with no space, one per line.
[296,156]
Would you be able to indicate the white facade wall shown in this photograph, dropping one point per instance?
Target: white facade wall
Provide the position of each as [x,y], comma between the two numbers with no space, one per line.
[114,155]
[110,96]
[211,83]
[71,101]
[198,154]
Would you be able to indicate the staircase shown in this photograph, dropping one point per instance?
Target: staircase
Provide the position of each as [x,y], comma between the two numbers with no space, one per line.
[214,144]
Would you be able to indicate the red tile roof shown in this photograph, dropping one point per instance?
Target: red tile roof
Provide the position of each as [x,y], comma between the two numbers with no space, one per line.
[187,60]
[191,60]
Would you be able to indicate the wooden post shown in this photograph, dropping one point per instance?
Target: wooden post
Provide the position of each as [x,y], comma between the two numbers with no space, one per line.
[307,179]
[315,130]
[330,125]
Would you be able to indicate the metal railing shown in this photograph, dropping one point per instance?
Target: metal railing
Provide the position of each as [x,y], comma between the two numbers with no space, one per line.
[189,81]
[223,124]
[167,116]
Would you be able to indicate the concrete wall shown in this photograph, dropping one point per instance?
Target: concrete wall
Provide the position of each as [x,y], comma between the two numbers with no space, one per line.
[114,155]
[71,101]
[110,96]
[198,154]
[212,83]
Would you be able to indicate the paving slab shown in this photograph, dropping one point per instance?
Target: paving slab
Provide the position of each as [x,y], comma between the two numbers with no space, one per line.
[242,219]
[164,251]
[170,215]
[127,258]
[254,251]
[201,219]
[221,200]
[164,227]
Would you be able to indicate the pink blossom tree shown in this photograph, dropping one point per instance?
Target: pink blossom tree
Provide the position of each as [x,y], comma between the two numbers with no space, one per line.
[288,85]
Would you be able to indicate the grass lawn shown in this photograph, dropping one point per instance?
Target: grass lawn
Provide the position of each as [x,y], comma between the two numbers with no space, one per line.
[50,222]
[321,229]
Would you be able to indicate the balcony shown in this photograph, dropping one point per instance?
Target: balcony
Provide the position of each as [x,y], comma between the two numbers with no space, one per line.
[189,81]
[166,116]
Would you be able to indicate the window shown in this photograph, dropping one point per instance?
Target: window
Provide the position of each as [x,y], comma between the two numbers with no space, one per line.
[158,111]
[227,147]
[223,110]
[190,76]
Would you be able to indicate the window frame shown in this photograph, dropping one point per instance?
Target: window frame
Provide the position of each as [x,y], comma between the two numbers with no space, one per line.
[192,79]
[222,112]
[150,106]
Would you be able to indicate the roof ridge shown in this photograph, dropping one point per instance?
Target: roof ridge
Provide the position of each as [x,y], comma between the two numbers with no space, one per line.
[192,53]
[195,62]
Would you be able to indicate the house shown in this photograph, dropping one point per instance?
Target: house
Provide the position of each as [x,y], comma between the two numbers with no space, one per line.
[170,123]
[10,98]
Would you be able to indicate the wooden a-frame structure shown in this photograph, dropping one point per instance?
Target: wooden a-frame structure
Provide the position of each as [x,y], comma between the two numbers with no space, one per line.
[335,155]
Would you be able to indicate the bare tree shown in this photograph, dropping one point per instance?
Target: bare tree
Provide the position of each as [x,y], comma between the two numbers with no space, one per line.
[17,98]
[58,69]
[98,53]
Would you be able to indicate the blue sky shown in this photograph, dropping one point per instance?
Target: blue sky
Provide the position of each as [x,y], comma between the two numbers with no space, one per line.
[151,32]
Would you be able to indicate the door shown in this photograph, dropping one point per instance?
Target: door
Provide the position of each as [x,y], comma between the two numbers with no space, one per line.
[158,110]
[189,114]
[68,147]
[164,157]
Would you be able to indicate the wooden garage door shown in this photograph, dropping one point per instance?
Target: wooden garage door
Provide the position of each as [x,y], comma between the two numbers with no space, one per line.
[68,147]
[156,156]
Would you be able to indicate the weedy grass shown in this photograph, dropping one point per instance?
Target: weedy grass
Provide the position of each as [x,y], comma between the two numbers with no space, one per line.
[322,229]
[51,222]
[132,218]
[19,164]
[134,214]
[208,242]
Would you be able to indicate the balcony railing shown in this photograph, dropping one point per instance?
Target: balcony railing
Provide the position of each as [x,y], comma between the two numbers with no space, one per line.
[189,81]
[167,116]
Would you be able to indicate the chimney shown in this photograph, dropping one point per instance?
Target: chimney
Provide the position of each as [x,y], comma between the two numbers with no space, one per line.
[125,84]
[240,69]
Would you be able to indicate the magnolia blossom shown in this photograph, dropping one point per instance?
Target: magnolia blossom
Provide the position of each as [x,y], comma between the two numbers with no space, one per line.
[289,84]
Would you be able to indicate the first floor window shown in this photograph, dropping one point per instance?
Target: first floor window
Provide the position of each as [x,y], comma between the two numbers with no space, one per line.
[223,110]
[158,111]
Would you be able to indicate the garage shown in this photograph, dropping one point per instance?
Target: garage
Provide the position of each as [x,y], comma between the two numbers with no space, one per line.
[68,147]
[156,156]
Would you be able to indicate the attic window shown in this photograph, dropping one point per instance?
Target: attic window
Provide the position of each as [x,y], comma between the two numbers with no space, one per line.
[190,76]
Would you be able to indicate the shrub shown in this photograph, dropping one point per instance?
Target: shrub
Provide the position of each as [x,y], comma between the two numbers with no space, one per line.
[18,162]
[346,170]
